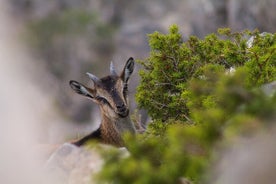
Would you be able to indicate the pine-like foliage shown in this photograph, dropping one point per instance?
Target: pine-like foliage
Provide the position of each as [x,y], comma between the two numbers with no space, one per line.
[196,103]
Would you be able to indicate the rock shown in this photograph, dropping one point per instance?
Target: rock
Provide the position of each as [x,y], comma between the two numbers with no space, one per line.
[270,88]
[77,165]
[249,161]
[72,164]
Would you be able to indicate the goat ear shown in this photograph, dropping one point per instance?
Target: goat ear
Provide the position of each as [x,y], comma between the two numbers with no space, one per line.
[81,89]
[128,69]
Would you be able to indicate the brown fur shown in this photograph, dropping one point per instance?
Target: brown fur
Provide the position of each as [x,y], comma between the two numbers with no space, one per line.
[110,93]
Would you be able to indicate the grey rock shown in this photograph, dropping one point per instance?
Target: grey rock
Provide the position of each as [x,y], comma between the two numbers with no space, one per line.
[70,164]
[74,165]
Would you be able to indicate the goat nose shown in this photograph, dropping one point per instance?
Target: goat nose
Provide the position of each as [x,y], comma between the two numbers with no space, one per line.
[121,107]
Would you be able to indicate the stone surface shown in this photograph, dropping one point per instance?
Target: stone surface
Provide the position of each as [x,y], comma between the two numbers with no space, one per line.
[76,165]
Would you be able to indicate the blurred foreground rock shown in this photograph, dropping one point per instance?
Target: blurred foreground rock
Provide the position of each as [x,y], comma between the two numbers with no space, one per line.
[76,165]
[251,161]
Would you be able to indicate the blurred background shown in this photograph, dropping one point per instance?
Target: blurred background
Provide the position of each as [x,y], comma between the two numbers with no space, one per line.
[66,38]
[44,44]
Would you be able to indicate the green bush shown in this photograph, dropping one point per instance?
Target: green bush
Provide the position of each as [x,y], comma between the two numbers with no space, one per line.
[172,63]
[196,104]
[57,39]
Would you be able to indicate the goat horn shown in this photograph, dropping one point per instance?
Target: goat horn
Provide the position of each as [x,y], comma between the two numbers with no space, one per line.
[93,77]
[112,69]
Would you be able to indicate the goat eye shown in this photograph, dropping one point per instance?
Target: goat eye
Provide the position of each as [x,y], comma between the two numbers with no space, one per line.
[101,99]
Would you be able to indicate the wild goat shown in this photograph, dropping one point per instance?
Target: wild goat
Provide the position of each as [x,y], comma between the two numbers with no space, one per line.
[110,93]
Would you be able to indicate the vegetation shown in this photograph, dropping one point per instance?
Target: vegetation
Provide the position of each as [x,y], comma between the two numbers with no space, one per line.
[197,104]
[61,36]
